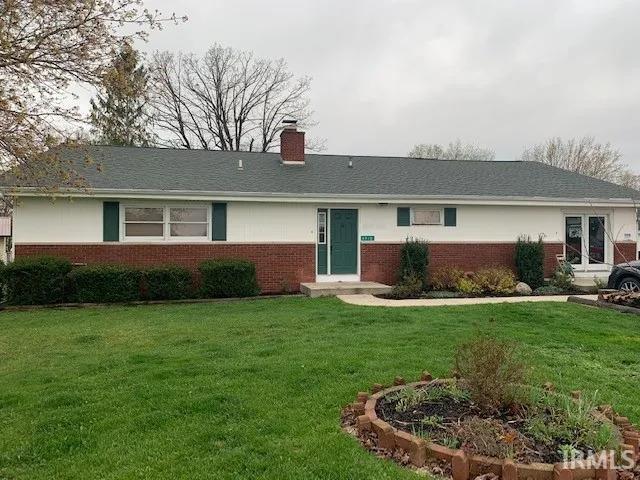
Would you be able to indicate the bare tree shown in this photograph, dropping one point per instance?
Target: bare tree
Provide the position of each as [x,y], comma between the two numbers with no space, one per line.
[455,150]
[225,100]
[45,48]
[629,179]
[583,155]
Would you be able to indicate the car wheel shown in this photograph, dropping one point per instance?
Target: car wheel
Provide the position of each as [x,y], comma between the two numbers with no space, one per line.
[629,284]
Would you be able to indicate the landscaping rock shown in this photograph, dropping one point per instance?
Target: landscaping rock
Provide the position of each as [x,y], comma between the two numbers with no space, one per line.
[523,289]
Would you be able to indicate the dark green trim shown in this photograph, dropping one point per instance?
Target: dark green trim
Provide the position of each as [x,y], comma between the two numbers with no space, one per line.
[404,216]
[322,247]
[322,259]
[219,221]
[111,221]
[450,215]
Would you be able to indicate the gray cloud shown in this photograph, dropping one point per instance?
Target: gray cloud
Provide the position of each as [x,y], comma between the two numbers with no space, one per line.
[389,74]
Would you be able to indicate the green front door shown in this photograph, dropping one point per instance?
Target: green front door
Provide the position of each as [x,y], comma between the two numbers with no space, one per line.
[344,241]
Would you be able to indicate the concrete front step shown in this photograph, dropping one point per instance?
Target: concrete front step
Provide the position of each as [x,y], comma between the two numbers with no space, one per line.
[325,289]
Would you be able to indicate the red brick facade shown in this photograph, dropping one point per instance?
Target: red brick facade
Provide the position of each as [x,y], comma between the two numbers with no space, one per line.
[625,252]
[280,267]
[380,261]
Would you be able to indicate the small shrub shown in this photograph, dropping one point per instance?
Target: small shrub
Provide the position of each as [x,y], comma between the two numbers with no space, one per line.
[491,369]
[409,287]
[106,283]
[467,286]
[414,260]
[548,290]
[167,282]
[495,280]
[36,280]
[228,278]
[530,261]
[445,278]
[563,276]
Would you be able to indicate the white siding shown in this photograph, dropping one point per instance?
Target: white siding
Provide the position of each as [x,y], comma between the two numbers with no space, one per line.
[482,223]
[271,222]
[44,220]
[41,220]
[624,225]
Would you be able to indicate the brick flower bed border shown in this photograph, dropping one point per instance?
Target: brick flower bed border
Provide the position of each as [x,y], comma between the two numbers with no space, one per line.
[465,466]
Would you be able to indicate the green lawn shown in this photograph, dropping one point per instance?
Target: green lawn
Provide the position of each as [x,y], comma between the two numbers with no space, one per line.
[254,389]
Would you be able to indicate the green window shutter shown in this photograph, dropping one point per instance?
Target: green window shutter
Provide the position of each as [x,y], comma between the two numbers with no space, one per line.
[450,215]
[111,221]
[404,216]
[219,221]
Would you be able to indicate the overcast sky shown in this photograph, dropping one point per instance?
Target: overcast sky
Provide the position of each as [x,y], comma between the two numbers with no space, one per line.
[390,74]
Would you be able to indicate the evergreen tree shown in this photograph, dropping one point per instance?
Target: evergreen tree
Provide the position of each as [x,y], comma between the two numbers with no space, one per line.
[118,112]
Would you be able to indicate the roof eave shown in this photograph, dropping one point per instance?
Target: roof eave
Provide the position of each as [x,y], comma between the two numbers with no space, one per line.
[311,197]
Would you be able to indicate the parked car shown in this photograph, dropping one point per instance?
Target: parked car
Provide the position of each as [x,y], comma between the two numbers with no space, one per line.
[625,276]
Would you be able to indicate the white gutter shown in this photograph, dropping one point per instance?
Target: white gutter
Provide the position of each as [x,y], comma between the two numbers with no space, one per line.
[321,197]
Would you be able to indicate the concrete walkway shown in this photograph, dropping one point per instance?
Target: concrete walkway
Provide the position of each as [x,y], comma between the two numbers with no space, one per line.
[371,301]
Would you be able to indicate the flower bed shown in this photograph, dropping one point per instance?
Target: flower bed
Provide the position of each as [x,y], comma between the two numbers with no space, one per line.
[437,420]
[496,281]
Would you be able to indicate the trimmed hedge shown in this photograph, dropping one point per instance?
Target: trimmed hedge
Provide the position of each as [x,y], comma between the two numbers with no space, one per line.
[106,284]
[44,280]
[228,278]
[36,280]
[414,260]
[530,261]
[167,282]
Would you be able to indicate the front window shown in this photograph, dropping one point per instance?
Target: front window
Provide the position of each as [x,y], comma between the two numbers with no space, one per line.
[188,222]
[423,216]
[166,222]
[143,222]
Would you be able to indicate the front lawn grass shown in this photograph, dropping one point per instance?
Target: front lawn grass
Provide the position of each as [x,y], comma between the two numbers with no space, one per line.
[254,389]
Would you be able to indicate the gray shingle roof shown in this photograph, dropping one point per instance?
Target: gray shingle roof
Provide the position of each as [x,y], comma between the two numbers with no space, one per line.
[130,168]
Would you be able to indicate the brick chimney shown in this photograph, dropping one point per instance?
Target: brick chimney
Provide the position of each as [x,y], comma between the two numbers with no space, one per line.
[292,143]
